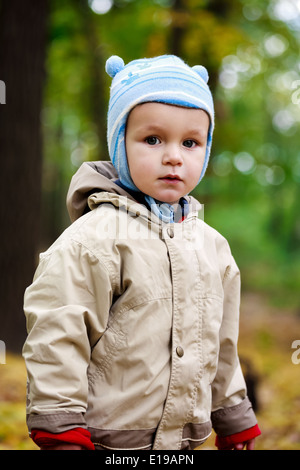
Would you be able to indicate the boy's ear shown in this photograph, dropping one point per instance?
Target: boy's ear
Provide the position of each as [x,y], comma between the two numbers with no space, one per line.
[114,65]
[202,72]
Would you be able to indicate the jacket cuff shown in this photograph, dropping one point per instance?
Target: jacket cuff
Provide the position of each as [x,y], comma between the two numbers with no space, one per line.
[55,423]
[77,436]
[234,419]
[226,443]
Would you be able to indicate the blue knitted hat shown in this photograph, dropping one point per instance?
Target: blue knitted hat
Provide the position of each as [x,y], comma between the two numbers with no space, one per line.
[164,79]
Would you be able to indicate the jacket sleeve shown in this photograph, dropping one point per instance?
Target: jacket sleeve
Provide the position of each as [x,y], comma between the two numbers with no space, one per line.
[63,324]
[231,409]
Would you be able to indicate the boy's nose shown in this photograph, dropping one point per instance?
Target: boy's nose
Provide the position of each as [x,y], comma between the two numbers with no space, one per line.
[172,155]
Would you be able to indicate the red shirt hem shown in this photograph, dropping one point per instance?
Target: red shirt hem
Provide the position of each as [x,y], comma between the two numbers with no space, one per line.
[77,436]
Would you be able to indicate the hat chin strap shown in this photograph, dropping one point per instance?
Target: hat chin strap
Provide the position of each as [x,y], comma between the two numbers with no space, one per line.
[168,213]
[163,210]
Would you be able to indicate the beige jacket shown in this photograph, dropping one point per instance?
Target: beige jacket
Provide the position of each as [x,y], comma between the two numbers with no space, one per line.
[133,326]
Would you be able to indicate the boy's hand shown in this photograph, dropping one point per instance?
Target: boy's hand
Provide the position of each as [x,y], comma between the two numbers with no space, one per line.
[249,445]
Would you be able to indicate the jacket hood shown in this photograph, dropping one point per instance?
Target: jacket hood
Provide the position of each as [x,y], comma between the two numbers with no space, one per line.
[97,177]
[90,178]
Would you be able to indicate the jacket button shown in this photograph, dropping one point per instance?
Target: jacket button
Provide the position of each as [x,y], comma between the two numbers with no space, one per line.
[170,232]
[179,351]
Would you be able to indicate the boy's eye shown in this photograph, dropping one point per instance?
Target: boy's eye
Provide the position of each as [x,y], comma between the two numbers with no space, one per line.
[152,140]
[189,143]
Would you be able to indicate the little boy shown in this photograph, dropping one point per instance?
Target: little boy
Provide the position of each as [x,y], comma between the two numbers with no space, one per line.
[133,312]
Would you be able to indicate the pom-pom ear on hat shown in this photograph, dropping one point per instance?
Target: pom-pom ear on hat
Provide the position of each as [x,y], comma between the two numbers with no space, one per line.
[201,71]
[114,65]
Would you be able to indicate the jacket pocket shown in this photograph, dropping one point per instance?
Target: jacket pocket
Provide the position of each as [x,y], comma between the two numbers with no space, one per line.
[211,325]
[104,352]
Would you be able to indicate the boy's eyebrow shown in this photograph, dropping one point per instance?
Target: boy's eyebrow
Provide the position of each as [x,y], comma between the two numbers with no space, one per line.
[197,131]
[148,127]
[152,127]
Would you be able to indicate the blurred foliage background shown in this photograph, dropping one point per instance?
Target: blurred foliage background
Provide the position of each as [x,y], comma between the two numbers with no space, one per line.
[251,49]
[251,190]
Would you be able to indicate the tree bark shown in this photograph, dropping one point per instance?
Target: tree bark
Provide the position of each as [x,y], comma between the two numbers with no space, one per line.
[22,53]
[97,98]
[179,14]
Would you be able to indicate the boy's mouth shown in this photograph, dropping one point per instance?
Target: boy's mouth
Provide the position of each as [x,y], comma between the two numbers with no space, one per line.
[171,178]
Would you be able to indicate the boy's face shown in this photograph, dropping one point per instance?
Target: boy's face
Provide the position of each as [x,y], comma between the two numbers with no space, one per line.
[165,148]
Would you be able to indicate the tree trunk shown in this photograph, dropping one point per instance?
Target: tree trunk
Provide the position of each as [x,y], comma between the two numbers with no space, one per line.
[97,98]
[22,52]
[179,14]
